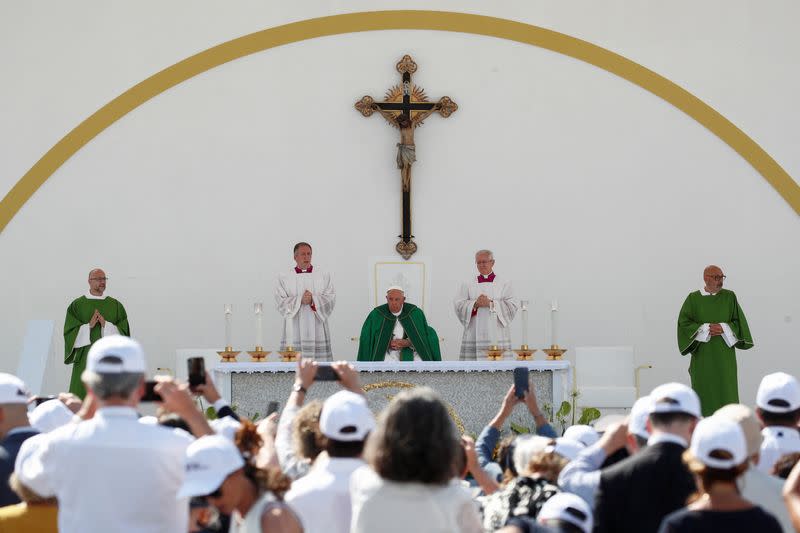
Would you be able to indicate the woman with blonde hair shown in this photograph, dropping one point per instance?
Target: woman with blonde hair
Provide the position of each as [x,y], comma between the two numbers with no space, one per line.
[717,457]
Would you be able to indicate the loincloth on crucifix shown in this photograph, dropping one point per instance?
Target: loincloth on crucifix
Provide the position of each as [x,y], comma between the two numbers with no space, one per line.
[406,156]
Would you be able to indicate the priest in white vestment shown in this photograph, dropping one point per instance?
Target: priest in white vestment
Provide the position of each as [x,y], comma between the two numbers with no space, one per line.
[304,296]
[473,305]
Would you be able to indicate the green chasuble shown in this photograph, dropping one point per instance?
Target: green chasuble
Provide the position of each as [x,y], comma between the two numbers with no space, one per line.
[379,326]
[713,365]
[80,312]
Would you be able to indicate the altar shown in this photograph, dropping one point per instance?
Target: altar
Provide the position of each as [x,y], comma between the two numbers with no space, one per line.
[473,390]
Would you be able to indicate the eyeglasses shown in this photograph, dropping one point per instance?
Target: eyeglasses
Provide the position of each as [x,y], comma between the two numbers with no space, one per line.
[98,279]
[718,278]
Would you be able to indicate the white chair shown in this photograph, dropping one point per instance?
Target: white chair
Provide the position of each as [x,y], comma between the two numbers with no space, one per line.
[606,376]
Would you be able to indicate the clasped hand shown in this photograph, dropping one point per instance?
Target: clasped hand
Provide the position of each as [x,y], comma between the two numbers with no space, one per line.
[399,344]
[97,317]
[483,301]
[715,329]
[307,298]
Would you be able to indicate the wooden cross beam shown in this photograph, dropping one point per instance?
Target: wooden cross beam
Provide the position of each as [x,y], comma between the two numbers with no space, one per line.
[405,107]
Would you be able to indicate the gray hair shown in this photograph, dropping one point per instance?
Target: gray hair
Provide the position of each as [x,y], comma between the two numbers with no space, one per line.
[484,252]
[105,386]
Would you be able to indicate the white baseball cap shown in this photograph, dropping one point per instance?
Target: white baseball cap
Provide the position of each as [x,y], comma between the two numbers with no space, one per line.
[226,426]
[50,415]
[346,417]
[637,423]
[567,507]
[778,393]
[582,434]
[12,389]
[674,398]
[718,434]
[566,448]
[208,461]
[116,354]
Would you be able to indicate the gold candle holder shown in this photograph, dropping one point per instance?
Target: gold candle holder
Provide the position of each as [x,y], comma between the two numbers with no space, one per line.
[228,355]
[494,353]
[258,355]
[554,353]
[289,355]
[524,353]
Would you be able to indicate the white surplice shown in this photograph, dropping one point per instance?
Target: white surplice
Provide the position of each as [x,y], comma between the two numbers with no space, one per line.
[310,333]
[475,340]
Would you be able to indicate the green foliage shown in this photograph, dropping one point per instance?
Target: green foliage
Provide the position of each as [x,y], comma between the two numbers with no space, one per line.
[562,415]
[211,414]
[588,415]
[519,429]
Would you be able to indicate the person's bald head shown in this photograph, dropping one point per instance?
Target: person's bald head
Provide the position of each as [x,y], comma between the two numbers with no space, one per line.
[97,281]
[713,277]
[395,298]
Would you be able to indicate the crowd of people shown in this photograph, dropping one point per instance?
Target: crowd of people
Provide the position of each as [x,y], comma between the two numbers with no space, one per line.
[331,466]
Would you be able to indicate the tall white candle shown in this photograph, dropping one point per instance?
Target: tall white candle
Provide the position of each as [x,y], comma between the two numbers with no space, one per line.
[492,325]
[524,306]
[258,308]
[554,323]
[228,325]
[289,331]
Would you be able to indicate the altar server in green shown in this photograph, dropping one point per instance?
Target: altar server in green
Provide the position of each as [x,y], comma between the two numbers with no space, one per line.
[89,318]
[711,325]
[398,331]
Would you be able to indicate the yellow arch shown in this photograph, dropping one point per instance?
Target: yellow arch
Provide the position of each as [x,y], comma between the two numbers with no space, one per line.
[397,20]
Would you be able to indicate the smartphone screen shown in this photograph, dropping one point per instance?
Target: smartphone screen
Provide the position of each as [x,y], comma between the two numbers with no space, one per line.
[272,407]
[196,368]
[150,394]
[520,381]
[326,373]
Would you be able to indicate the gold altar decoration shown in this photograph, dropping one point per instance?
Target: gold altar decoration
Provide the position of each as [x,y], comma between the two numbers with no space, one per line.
[289,355]
[228,355]
[405,385]
[494,353]
[554,353]
[258,355]
[524,353]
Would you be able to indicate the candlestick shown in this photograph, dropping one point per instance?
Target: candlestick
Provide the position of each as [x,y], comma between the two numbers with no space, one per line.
[492,325]
[524,353]
[258,309]
[524,306]
[289,332]
[228,354]
[554,322]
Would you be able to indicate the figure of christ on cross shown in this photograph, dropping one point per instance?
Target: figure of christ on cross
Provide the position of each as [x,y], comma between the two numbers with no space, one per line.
[405,107]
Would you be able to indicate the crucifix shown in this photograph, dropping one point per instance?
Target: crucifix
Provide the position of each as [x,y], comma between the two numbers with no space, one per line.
[404,108]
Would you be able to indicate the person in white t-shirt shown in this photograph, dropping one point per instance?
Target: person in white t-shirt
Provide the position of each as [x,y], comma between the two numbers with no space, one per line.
[111,472]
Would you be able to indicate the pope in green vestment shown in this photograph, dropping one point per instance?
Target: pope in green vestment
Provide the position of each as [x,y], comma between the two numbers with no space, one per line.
[379,328]
[79,337]
[713,365]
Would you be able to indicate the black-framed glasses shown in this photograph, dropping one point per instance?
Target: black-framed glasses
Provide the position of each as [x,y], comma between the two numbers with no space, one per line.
[98,279]
[718,278]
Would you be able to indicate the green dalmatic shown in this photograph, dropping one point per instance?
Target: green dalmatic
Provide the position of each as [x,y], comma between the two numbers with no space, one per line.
[713,366]
[80,312]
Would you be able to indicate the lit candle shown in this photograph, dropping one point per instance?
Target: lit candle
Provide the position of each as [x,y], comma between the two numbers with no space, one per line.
[554,323]
[289,332]
[258,308]
[524,306]
[228,326]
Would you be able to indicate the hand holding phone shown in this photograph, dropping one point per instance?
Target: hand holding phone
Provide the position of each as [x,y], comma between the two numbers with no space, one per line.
[150,394]
[521,381]
[326,373]
[41,399]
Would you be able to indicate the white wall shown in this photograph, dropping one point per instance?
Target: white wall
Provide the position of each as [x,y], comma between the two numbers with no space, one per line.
[589,189]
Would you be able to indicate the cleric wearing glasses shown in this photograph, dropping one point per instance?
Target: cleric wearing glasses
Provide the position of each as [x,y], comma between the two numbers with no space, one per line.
[89,318]
[711,324]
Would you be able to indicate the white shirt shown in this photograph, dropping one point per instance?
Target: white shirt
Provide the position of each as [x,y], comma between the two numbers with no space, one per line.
[322,497]
[398,333]
[111,473]
[392,507]
[778,441]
